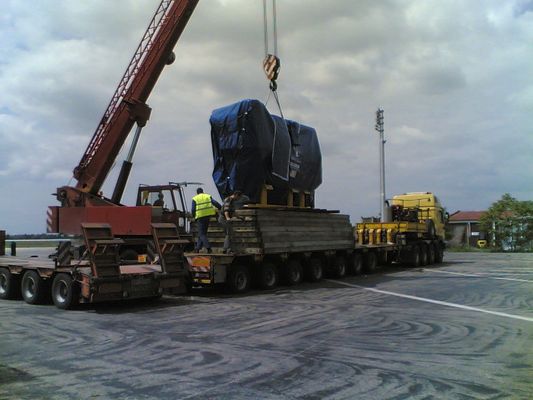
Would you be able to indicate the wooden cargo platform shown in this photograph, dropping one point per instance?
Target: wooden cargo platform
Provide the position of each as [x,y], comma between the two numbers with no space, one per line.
[277,230]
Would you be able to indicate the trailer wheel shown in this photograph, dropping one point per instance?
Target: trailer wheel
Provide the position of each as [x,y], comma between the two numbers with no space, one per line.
[385,258]
[439,253]
[293,272]
[35,290]
[188,282]
[268,275]
[65,291]
[371,262]
[355,265]
[431,254]
[338,267]
[423,255]
[414,257]
[238,279]
[314,270]
[9,285]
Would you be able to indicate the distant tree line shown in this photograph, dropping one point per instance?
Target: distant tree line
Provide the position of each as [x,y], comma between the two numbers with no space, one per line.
[509,224]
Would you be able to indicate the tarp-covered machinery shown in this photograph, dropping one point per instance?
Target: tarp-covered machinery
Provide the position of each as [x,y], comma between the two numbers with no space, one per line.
[272,160]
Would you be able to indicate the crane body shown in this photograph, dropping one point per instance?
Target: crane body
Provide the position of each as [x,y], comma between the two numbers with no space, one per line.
[84,202]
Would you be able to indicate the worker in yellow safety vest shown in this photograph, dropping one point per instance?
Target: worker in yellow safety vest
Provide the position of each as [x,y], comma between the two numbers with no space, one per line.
[203,208]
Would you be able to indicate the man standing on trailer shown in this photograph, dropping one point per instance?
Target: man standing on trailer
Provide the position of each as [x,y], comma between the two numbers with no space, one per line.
[233,202]
[203,208]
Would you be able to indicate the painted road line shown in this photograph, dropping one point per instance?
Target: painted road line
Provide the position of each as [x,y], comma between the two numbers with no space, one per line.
[525,274]
[507,268]
[530,273]
[478,275]
[426,300]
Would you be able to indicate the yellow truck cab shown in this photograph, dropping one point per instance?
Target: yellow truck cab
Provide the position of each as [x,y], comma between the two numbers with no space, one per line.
[428,206]
[412,232]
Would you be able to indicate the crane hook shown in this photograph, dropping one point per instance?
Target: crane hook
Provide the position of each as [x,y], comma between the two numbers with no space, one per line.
[271,66]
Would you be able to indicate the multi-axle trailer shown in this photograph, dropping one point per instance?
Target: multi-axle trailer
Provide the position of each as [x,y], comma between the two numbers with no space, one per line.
[284,244]
[99,275]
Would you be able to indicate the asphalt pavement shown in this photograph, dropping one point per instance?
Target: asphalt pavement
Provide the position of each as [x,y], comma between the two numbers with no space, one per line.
[459,330]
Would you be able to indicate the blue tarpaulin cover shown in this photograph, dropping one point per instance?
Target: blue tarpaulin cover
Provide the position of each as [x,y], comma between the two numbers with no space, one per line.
[251,147]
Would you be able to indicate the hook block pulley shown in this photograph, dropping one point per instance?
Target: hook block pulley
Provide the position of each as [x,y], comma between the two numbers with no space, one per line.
[271,66]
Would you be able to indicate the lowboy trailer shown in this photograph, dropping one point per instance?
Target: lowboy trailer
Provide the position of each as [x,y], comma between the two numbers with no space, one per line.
[287,244]
[275,243]
[99,276]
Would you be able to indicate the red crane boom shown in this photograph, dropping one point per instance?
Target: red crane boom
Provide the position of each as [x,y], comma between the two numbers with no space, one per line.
[128,104]
[126,108]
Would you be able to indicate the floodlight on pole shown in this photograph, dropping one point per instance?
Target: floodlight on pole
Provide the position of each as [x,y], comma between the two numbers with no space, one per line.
[380,128]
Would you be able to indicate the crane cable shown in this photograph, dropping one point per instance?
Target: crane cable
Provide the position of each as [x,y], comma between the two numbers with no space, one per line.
[275,27]
[271,63]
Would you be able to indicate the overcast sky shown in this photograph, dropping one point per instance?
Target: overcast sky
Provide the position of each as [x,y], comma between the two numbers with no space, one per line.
[455,79]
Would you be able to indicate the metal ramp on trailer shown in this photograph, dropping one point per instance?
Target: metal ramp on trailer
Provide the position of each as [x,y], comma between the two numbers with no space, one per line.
[102,250]
[164,273]
[167,248]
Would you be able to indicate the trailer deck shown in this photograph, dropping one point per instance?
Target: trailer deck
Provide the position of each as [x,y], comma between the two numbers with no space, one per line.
[285,243]
[99,276]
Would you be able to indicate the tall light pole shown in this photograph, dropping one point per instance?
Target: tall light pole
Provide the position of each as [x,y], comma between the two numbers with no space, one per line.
[380,129]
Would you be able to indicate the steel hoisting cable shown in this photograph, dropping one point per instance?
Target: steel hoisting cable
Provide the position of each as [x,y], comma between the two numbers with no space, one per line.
[275,22]
[274,27]
[278,103]
[271,63]
[265,26]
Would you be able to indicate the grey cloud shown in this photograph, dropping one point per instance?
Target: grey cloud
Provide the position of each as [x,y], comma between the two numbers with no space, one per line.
[440,79]
[454,79]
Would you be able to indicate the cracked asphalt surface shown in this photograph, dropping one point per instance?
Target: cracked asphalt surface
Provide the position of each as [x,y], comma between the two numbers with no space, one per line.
[459,330]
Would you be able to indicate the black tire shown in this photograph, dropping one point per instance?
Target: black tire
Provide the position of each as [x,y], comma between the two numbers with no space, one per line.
[65,291]
[35,290]
[423,255]
[431,254]
[188,283]
[314,270]
[238,280]
[294,272]
[370,263]
[355,264]
[439,253]
[268,275]
[156,297]
[338,267]
[9,285]
[387,258]
[414,257]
